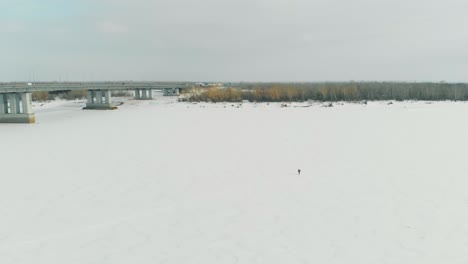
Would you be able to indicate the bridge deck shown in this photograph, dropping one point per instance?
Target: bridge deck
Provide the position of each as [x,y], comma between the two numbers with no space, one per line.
[69,86]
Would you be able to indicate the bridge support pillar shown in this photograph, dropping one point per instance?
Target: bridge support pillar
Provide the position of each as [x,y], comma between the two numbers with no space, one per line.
[143,94]
[171,91]
[16,108]
[99,100]
[150,94]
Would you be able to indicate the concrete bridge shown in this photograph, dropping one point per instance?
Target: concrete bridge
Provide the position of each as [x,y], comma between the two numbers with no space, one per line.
[16,99]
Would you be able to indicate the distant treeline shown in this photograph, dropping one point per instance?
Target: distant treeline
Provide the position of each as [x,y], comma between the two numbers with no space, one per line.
[346,91]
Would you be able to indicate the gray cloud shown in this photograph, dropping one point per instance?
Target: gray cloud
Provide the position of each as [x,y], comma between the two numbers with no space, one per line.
[242,40]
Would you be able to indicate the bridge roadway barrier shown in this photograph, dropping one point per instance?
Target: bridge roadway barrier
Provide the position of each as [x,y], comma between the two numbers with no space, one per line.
[71,86]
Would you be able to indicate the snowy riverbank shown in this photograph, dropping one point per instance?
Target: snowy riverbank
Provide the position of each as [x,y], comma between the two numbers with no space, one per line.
[165,182]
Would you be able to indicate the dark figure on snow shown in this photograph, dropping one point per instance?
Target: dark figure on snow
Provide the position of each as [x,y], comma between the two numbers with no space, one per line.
[299,171]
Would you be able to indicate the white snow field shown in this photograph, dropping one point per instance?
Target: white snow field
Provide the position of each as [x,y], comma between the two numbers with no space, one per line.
[165,182]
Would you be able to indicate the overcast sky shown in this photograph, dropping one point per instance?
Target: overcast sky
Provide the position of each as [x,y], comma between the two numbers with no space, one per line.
[234,40]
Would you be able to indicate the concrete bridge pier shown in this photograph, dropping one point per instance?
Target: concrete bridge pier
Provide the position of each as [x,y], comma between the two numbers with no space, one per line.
[16,108]
[171,91]
[143,94]
[99,100]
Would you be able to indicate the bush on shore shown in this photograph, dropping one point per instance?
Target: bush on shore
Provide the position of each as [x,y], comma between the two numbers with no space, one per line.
[352,91]
[40,96]
[46,96]
[73,95]
[122,93]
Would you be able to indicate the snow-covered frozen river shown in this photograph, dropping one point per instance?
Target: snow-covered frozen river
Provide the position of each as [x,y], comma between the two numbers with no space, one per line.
[165,182]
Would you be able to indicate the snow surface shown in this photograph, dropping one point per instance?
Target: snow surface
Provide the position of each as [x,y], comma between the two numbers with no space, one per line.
[165,182]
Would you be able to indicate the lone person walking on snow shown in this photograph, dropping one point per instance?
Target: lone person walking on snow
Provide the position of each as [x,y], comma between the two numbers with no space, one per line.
[299,171]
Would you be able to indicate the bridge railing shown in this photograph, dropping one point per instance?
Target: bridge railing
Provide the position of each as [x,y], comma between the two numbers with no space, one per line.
[57,86]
